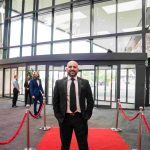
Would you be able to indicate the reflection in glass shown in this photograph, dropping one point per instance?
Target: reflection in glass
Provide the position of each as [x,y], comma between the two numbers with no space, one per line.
[127,83]
[1,79]
[45,3]
[2,12]
[101,45]
[104,19]
[14,52]
[81,46]
[148,44]
[1,54]
[44,27]
[62,25]
[43,49]
[27,30]
[148,14]
[81,21]
[130,44]
[57,2]
[21,81]
[7,83]
[1,34]
[15,31]
[134,10]
[28,5]
[16,7]
[26,51]
[61,48]
[41,70]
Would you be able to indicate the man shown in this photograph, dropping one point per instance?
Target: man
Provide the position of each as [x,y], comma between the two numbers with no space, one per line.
[73,105]
[15,91]
[36,91]
[28,99]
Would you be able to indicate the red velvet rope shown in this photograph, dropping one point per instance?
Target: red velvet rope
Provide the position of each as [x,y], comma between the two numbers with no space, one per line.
[17,132]
[146,123]
[125,116]
[36,116]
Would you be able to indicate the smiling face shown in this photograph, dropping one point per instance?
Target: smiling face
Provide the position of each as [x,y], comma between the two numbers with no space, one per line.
[72,68]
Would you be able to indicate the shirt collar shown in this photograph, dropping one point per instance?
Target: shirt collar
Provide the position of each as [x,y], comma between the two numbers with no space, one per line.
[69,78]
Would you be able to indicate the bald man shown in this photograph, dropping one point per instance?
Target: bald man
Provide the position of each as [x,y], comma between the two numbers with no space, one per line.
[73,105]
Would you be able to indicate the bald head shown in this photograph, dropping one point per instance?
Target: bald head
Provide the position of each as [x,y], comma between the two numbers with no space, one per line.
[72,68]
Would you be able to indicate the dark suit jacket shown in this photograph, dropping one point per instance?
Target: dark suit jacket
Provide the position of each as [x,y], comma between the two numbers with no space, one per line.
[35,89]
[60,98]
[26,85]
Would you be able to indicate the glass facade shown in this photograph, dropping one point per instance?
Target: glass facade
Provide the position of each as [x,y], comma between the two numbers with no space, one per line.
[50,27]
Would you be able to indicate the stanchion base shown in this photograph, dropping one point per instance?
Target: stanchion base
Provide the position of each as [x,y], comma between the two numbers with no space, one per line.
[116,129]
[30,148]
[45,128]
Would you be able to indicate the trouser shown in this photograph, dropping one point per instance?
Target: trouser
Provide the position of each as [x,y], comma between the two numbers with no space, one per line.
[40,99]
[28,99]
[79,125]
[15,97]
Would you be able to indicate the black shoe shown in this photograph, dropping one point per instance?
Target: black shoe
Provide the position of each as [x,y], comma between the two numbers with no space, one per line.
[15,106]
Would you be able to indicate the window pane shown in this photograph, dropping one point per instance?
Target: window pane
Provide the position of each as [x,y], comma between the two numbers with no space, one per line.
[45,3]
[81,46]
[148,14]
[148,44]
[16,7]
[43,49]
[2,12]
[1,53]
[27,30]
[101,45]
[44,27]
[26,51]
[104,19]
[131,85]
[28,5]
[130,44]
[62,25]
[7,83]
[1,79]
[1,34]
[61,1]
[81,21]
[14,52]
[15,29]
[61,48]
[41,70]
[130,8]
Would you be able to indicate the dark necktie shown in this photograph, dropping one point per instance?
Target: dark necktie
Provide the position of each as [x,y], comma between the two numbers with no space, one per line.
[72,96]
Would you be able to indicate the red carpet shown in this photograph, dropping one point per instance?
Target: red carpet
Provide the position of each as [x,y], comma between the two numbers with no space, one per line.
[99,139]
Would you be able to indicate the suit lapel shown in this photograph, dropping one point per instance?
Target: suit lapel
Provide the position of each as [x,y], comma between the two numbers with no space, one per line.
[79,86]
[65,86]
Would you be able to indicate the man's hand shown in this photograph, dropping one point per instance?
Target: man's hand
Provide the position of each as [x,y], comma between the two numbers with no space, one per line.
[33,97]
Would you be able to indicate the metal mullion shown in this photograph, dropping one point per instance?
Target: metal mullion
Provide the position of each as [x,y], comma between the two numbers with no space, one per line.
[71,21]
[22,25]
[127,80]
[91,24]
[52,26]
[143,27]
[116,26]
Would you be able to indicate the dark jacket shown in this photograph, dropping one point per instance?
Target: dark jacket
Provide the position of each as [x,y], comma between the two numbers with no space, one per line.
[36,89]
[60,98]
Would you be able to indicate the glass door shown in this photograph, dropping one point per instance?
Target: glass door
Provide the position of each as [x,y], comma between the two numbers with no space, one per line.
[105,85]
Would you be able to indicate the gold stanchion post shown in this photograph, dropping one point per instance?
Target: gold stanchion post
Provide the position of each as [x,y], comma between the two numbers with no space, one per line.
[28,130]
[117,117]
[45,128]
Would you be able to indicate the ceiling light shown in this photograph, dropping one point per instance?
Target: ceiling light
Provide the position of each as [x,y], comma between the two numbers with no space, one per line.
[123,7]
